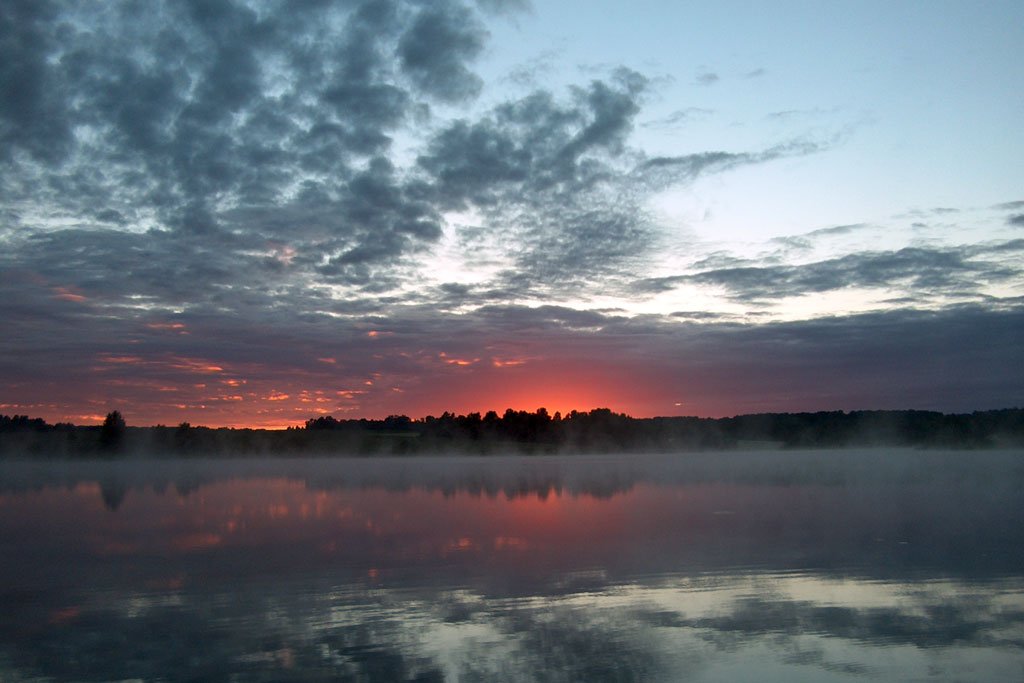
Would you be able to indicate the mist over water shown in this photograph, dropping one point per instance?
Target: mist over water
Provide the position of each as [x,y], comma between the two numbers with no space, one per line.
[812,565]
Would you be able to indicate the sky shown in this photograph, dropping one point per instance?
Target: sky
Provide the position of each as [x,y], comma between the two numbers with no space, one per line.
[250,213]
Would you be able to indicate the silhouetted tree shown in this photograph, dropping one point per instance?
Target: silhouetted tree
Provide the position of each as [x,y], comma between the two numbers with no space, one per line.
[112,431]
[598,430]
[22,423]
[397,423]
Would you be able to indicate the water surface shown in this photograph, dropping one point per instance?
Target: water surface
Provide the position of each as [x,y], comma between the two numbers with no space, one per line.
[817,566]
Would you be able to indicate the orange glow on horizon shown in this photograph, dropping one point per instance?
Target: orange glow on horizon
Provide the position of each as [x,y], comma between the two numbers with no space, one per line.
[520,385]
[163,391]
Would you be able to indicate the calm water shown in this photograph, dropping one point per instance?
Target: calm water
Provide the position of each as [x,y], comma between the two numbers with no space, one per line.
[812,566]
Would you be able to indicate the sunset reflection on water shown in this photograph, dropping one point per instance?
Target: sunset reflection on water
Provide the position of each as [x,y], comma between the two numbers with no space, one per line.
[793,566]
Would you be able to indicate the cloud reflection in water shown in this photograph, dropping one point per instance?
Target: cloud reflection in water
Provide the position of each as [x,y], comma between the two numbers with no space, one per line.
[788,565]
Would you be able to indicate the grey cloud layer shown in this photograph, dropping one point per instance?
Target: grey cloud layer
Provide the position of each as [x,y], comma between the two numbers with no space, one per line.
[225,131]
[270,120]
[918,270]
[961,358]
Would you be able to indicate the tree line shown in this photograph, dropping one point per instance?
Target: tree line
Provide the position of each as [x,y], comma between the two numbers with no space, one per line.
[595,431]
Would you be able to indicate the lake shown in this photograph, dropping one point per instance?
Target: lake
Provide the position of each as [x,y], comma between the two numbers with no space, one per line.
[771,566]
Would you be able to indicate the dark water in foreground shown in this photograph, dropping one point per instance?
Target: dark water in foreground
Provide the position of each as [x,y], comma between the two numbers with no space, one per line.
[815,566]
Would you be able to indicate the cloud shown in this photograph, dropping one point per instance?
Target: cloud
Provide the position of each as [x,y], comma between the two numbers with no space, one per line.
[530,73]
[678,117]
[1017,219]
[558,178]
[920,270]
[244,130]
[534,144]
[900,358]
[793,114]
[212,117]
[663,171]
[807,240]
[544,172]
[435,49]
[1010,206]
[32,115]
[505,6]
[160,301]
[707,78]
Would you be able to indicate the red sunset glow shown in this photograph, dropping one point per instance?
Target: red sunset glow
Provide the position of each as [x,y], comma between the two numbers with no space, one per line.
[172,388]
[243,513]
[203,393]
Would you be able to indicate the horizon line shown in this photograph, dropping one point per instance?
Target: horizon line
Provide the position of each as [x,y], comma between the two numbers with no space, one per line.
[421,420]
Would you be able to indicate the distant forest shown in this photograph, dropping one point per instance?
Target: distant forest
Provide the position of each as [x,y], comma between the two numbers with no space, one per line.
[596,431]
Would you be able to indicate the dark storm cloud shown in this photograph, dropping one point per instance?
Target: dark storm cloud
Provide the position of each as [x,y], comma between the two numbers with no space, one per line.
[933,271]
